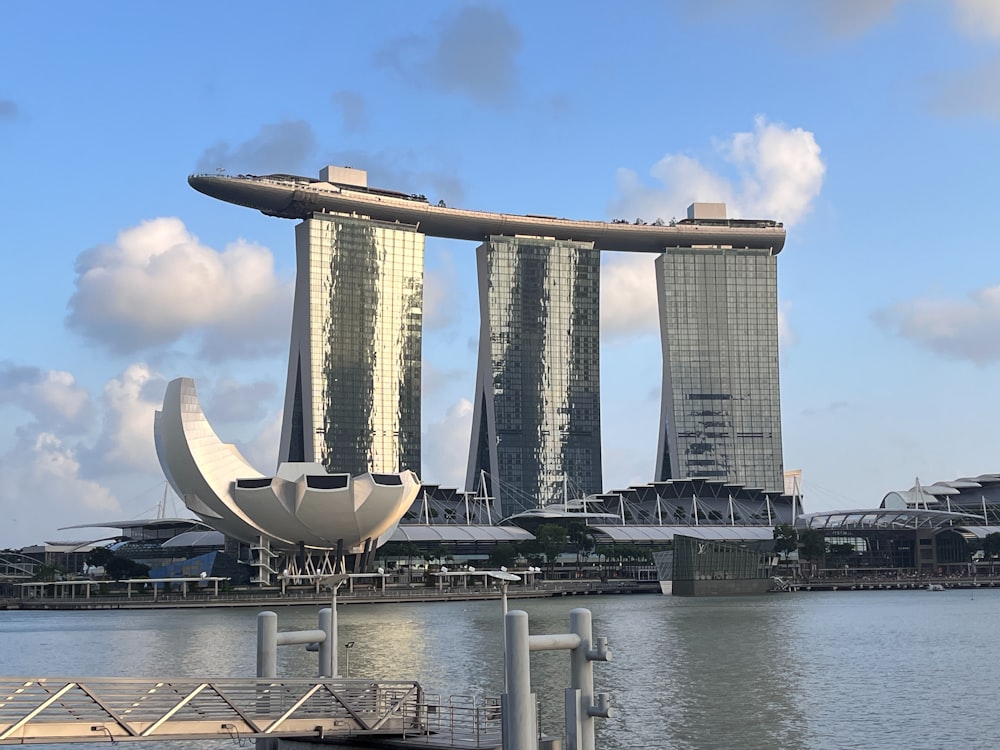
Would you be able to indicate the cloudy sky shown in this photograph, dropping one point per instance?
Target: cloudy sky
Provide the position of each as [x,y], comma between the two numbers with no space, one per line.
[870,127]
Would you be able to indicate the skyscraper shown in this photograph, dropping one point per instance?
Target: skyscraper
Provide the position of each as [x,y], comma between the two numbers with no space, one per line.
[352,401]
[720,409]
[536,425]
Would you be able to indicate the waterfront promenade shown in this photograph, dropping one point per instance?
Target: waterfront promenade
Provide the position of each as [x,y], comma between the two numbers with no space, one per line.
[72,599]
[885,583]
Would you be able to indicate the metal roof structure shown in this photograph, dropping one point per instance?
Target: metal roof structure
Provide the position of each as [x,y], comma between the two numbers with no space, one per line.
[980,532]
[196,539]
[637,534]
[449,533]
[885,519]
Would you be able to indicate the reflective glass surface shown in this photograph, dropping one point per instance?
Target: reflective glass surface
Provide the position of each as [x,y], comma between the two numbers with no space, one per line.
[538,393]
[719,332]
[357,345]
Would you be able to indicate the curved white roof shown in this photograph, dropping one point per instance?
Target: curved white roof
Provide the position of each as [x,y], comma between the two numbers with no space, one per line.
[318,510]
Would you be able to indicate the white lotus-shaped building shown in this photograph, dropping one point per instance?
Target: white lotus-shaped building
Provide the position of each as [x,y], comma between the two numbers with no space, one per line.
[302,505]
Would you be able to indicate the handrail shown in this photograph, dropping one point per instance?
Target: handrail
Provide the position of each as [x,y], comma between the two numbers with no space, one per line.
[52,710]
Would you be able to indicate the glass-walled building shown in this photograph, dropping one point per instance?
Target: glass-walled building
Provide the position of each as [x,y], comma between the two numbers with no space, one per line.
[720,409]
[353,397]
[536,431]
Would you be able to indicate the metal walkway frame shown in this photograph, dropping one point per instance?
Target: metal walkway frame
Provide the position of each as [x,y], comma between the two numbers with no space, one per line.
[56,710]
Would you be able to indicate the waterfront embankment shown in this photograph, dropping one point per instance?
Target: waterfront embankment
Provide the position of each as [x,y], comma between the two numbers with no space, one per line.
[196,598]
[902,583]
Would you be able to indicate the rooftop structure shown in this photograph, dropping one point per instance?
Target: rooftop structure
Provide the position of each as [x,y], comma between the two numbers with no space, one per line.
[346,191]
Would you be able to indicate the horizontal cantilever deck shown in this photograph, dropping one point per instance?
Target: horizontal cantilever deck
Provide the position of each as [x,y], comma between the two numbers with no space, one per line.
[49,709]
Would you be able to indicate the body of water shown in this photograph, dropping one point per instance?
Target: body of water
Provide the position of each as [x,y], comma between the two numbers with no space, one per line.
[874,669]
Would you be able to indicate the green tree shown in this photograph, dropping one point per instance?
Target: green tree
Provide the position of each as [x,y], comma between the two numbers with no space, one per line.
[100,557]
[991,547]
[582,540]
[122,567]
[48,572]
[786,539]
[503,555]
[552,540]
[813,544]
[115,566]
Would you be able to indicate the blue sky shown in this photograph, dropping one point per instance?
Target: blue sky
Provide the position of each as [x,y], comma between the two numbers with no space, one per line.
[870,127]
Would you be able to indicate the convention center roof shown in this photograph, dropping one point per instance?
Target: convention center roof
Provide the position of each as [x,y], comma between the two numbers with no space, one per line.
[423,534]
[637,534]
[883,519]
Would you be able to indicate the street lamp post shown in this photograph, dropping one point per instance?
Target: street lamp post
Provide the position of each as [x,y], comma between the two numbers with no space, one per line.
[505,579]
[334,582]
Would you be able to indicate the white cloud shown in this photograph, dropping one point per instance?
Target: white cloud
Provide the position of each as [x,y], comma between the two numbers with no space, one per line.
[446,446]
[52,397]
[262,449]
[628,296]
[978,17]
[778,174]
[443,295]
[126,440]
[43,490]
[157,283]
[960,329]
[234,401]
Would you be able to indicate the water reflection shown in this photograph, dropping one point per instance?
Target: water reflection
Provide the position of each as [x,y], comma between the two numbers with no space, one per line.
[844,669]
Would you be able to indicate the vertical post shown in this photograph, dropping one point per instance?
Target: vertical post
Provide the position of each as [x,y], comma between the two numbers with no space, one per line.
[581,674]
[503,598]
[334,664]
[325,660]
[519,720]
[267,644]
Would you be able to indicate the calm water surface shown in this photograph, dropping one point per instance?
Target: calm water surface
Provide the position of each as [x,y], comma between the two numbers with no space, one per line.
[908,669]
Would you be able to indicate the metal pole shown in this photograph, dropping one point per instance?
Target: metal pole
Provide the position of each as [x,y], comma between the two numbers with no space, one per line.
[520,723]
[582,674]
[334,656]
[503,598]
[326,625]
[267,644]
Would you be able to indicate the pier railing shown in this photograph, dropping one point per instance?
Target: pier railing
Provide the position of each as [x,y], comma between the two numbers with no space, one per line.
[51,710]
[461,722]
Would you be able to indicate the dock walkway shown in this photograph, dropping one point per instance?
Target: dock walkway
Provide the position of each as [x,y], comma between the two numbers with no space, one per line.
[51,710]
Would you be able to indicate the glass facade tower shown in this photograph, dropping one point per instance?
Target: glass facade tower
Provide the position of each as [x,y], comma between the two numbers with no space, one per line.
[353,397]
[720,409]
[536,425]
